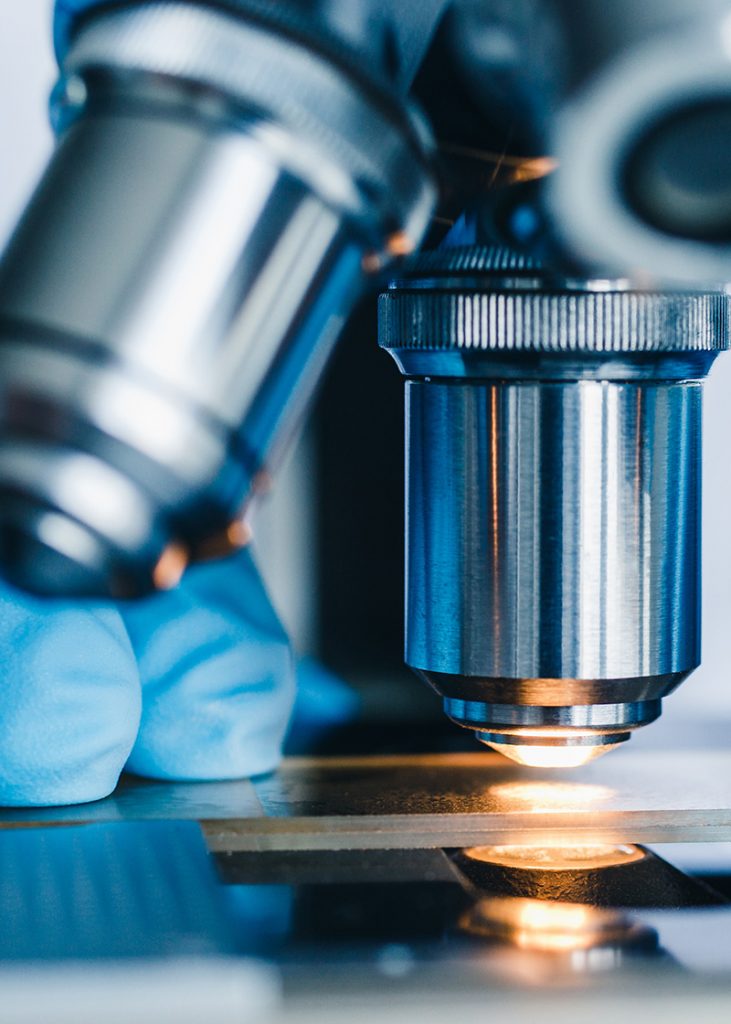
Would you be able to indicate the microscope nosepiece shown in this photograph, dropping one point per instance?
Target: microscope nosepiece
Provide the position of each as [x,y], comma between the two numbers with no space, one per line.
[553,433]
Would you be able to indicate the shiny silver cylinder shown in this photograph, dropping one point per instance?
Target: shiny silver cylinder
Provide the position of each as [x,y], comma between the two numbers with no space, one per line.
[553,479]
[171,296]
[553,535]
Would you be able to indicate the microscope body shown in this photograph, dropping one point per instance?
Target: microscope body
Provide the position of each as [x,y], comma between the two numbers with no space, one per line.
[553,495]
[227,177]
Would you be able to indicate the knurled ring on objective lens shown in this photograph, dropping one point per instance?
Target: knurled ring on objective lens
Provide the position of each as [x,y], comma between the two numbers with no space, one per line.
[494,300]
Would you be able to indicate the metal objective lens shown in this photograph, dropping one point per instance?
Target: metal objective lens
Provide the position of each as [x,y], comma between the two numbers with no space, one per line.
[553,433]
[179,279]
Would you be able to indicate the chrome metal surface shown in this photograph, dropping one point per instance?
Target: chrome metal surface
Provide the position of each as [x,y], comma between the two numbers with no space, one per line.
[352,151]
[500,738]
[165,330]
[553,533]
[553,529]
[589,716]
[170,299]
[522,316]
[477,312]
[574,724]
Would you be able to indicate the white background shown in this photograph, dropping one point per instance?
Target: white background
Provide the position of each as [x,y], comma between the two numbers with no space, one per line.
[26,75]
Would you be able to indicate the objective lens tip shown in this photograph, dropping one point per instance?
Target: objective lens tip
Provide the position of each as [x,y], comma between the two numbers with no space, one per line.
[535,756]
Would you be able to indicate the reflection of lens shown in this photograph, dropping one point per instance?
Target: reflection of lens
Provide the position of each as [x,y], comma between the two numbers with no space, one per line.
[594,874]
[547,796]
[588,857]
[548,926]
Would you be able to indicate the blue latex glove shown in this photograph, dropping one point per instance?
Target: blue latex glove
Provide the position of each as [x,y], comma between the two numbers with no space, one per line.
[197,683]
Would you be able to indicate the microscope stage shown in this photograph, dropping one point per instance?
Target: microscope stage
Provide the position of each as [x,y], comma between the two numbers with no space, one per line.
[406,887]
[437,801]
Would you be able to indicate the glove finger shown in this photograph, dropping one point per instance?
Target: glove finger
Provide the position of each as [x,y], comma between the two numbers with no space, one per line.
[217,676]
[70,702]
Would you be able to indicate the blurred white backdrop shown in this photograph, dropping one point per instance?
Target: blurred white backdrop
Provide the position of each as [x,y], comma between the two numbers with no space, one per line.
[26,76]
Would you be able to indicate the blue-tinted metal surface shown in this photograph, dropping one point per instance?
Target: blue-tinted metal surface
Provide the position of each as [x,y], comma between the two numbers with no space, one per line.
[553,529]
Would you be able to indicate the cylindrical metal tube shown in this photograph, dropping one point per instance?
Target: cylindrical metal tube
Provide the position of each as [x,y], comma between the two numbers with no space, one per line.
[170,298]
[553,508]
[163,319]
[553,534]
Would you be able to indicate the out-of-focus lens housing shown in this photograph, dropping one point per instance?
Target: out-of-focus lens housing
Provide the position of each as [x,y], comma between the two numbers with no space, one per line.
[170,298]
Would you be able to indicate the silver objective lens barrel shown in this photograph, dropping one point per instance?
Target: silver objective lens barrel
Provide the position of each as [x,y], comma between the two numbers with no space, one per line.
[553,441]
[171,295]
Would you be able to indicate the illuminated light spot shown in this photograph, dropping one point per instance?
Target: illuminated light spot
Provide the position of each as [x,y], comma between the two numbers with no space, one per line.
[545,925]
[537,167]
[399,244]
[535,756]
[170,568]
[582,857]
[549,796]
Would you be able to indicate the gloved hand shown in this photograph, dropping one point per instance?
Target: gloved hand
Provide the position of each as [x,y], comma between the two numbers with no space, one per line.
[196,683]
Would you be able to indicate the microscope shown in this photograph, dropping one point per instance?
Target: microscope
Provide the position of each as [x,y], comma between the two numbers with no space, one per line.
[541,192]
